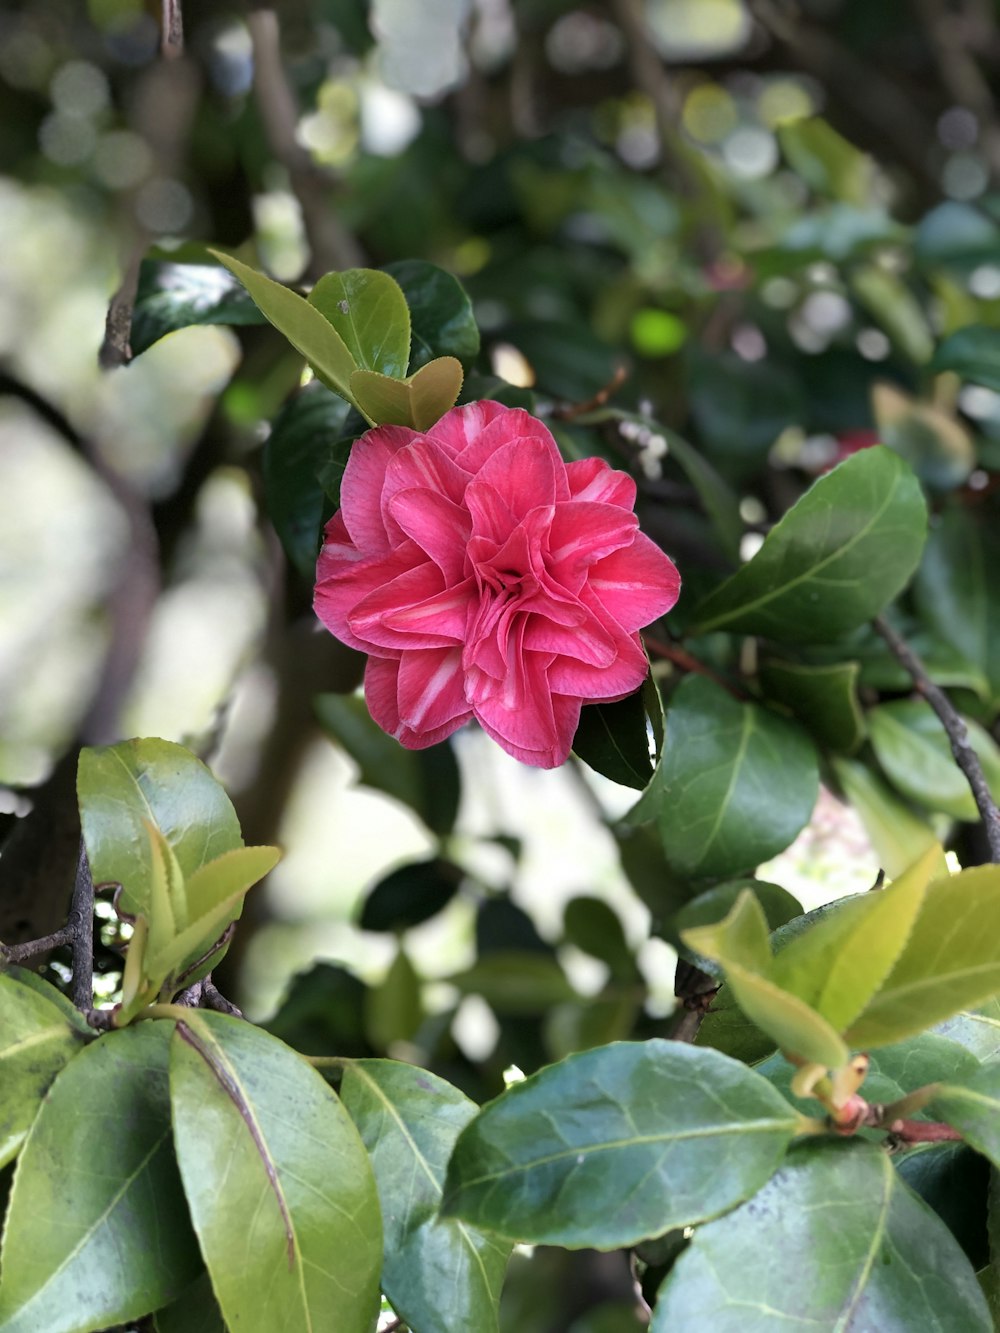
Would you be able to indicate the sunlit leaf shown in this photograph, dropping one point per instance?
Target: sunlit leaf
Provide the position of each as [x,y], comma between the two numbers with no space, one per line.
[369,311]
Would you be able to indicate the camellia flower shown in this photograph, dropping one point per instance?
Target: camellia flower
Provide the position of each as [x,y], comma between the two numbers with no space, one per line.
[486,578]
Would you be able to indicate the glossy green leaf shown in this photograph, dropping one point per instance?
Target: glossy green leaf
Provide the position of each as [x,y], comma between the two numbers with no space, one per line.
[823,698]
[838,964]
[737,782]
[955,589]
[740,939]
[613,1145]
[369,311]
[174,296]
[122,786]
[839,555]
[912,747]
[302,324]
[36,1041]
[973,353]
[441,316]
[796,1027]
[972,1106]
[778,904]
[953,1180]
[418,401]
[613,739]
[306,436]
[278,1182]
[97,1232]
[978,1030]
[425,780]
[834,1241]
[951,960]
[896,833]
[410,895]
[596,928]
[726,1028]
[440,1274]
[896,309]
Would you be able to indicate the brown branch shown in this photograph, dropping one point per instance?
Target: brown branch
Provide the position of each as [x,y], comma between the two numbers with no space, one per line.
[331,244]
[680,657]
[570,411]
[81,923]
[172,30]
[922,1131]
[17,953]
[958,736]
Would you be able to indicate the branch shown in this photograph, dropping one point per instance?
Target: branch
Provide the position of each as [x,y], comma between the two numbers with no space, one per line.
[172,30]
[958,737]
[680,657]
[81,923]
[332,245]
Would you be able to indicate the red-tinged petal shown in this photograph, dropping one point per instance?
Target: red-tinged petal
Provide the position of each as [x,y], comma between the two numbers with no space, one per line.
[423,464]
[361,486]
[515,426]
[525,474]
[594,479]
[379,617]
[492,519]
[588,641]
[584,531]
[620,677]
[438,526]
[637,585]
[347,578]
[431,689]
[565,720]
[381,685]
[462,425]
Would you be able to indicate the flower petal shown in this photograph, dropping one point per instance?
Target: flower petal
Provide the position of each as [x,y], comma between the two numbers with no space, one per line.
[423,464]
[517,478]
[381,695]
[414,610]
[458,428]
[346,577]
[584,531]
[361,486]
[594,479]
[583,680]
[438,526]
[431,689]
[637,585]
[513,427]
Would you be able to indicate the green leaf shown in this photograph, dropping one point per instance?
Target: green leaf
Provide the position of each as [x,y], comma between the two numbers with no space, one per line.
[895,309]
[823,698]
[425,780]
[515,982]
[174,296]
[896,833]
[195,1311]
[278,1182]
[120,787]
[97,1231]
[302,324]
[441,1275]
[440,313]
[737,782]
[36,1041]
[727,1029]
[741,407]
[912,746]
[305,437]
[418,401]
[837,965]
[951,960]
[740,943]
[826,161]
[972,1106]
[369,312]
[593,926]
[612,738]
[410,895]
[973,353]
[978,1030]
[778,904]
[834,1241]
[955,589]
[393,1010]
[839,555]
[613,1145]
[937,446]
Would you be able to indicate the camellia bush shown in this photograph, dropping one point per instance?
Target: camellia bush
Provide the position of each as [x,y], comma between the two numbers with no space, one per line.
[731,573]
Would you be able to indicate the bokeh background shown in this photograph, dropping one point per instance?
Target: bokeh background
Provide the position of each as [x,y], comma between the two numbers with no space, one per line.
[758,214]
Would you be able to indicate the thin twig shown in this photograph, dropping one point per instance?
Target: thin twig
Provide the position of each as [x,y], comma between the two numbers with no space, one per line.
[680,657]
[570,411]
[17,953]
[958,736]
[922,1131]
[116,349]
[172,30]
[81,922]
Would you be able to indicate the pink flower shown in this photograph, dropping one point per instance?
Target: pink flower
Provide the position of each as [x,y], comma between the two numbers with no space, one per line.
[488,579]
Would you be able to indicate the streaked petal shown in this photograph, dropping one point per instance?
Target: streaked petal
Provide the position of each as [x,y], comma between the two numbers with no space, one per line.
[438,526]
[515,427]
[594,479]
[347,577]
[524,474]
[381,685]
[380,617]
[361,485]
[585,531]
[637,585]
[462,425]
[431,689]
[584,680]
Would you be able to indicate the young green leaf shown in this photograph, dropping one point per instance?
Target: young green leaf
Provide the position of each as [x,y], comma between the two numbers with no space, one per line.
[417,402]
[736,783]
[951,960]
[834,1241]
[617,1144]
[369,312]
[278,1182]
[121,787]
[301,323]
[896,833]
[839,555]
[440,1274]
[97,1232]
[36,1040]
